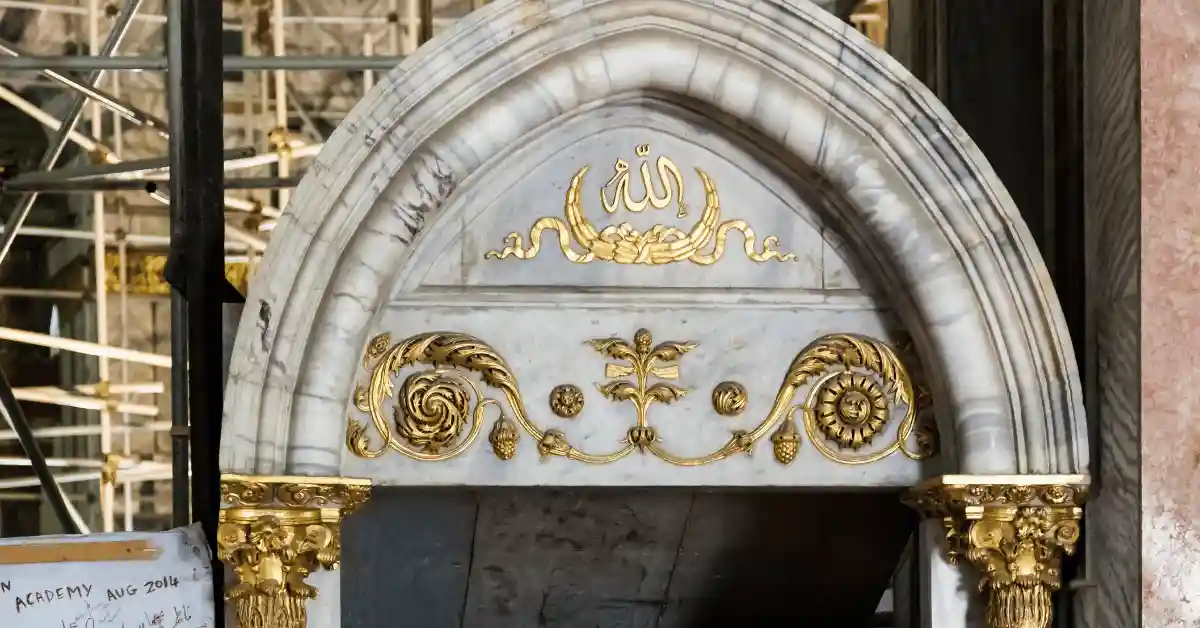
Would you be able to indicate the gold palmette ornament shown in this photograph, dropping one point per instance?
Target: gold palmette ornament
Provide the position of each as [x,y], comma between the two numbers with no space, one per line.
[1015,533]
[275,532]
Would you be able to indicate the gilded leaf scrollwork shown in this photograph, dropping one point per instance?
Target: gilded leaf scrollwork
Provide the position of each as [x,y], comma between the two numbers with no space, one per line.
[855,384]
[442,410]
[845,405]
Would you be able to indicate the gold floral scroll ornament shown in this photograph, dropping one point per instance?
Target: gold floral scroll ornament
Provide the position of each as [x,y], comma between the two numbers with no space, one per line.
[442,416]
[855,383]
[274,532]
[703,243]
[1015,530]
[845,404]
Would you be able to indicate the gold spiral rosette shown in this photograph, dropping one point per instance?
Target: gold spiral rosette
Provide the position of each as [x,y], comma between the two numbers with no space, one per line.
[440,410]
[856,381]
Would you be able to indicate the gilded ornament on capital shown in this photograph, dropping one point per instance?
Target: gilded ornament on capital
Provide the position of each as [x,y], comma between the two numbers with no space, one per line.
[277,531]
[1015,532]
[566,401]
[730,398]
[703,243]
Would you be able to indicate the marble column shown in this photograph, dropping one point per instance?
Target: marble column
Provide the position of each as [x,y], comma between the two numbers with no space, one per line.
[1170,227]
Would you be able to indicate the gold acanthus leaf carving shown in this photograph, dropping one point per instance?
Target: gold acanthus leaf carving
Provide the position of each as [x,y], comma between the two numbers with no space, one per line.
[824,363]
[292,492]
[623,244]
[443,352]
[845,404]
[276,531]
[271,557]
[1015,534]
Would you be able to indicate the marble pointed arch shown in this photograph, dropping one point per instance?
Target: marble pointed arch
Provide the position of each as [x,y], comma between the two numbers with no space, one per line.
[922,204]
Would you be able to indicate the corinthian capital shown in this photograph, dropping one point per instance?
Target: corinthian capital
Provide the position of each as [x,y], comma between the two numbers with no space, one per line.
[273,533]
[1015,530]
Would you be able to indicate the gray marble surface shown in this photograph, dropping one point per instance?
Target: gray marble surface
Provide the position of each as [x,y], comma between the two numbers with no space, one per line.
[909,194]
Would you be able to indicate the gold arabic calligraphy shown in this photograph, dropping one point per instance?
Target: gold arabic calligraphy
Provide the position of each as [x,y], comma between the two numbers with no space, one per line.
[666,168]
[623,244]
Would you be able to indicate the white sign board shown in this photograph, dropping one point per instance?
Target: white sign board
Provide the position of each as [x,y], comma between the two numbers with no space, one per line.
[123,580]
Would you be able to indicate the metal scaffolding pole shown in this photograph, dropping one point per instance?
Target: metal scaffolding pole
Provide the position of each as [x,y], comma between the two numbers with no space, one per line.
[426,20]
[70,431]
[15,221]
[21,212]
[134,169]
[194,99]
[108,101]
[84,347]
[150,186]
[159,64]
[86,143]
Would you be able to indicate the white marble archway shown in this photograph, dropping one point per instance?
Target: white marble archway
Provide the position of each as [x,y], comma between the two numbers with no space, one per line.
[921,205]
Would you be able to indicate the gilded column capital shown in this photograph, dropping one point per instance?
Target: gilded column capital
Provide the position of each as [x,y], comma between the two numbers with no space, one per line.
[1014,529]
[273,532]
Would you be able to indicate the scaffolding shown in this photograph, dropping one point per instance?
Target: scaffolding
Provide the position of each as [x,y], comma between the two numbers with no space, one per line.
[291,69]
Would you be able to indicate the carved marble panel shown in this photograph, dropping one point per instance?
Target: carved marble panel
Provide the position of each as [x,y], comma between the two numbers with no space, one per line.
[525,194]
[639,215]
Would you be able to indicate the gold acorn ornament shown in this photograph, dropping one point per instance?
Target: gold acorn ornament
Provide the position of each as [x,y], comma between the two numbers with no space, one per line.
[503,438]
[786,440]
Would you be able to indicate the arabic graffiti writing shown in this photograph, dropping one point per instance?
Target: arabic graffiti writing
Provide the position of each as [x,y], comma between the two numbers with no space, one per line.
[703,244]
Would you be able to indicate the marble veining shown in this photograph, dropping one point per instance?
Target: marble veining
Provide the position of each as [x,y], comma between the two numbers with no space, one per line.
[916,205]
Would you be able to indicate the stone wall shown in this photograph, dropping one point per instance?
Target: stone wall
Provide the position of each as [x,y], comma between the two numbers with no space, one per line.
[1170,88]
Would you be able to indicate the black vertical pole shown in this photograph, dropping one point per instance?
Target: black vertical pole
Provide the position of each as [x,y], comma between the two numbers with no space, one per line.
[194,91]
